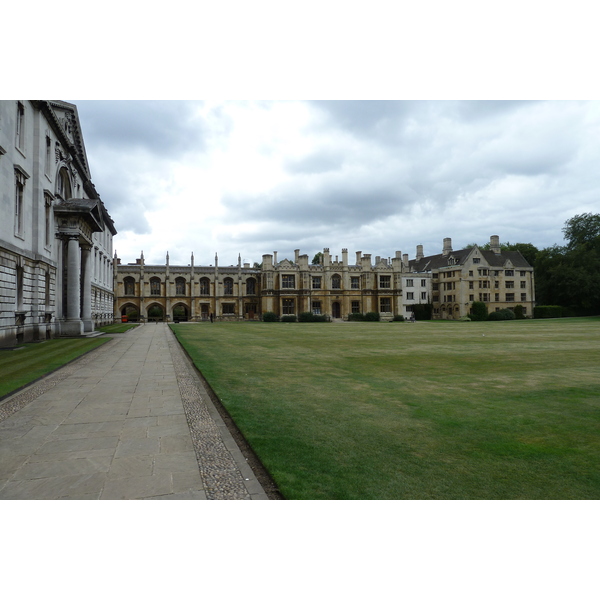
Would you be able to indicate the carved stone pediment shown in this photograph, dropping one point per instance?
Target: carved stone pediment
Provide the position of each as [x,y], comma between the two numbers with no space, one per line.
[286,264]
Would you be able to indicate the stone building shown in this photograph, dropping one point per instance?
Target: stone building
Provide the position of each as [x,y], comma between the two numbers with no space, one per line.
[500,278]
[55,232]
[450,281]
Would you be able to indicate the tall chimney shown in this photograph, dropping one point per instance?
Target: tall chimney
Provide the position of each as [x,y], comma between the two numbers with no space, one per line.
[420,254]
[447,246]
[495,244]
[296,256]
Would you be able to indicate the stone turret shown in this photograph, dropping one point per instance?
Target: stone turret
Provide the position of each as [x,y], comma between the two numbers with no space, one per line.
[420,254]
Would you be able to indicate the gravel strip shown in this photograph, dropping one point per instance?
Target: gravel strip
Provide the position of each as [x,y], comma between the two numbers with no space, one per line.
[221,477]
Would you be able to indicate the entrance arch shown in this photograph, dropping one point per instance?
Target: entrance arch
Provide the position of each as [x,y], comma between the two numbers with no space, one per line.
[180,312]
[130,311]
[336,311]
[156,312]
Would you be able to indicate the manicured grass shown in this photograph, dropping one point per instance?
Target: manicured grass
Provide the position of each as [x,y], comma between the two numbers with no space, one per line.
[21,366]
[431,410]
[118,327]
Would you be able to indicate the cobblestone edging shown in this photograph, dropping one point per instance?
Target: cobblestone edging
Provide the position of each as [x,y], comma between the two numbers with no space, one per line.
[221,477]
[16,402]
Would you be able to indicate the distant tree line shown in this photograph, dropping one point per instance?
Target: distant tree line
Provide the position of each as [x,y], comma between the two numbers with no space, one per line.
[567,276]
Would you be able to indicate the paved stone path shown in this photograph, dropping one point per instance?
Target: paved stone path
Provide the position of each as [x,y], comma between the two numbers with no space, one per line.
[129,420]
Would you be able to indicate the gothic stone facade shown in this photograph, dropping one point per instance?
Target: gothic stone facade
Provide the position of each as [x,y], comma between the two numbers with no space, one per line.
[450,281]
[55,233]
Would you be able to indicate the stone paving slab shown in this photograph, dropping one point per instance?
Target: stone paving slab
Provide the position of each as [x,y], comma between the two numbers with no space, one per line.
[130,420]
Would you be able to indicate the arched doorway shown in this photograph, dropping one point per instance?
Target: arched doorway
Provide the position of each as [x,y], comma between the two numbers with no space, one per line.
[204,311]
[131,312]
[336,311]
[180,313]
[156,313]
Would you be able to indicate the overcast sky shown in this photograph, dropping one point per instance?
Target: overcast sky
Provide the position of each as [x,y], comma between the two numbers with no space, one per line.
[255,177]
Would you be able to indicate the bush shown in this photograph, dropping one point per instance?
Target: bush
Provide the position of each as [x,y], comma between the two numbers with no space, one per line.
[270,317]
[288,319]
[502,315]
[308,317]
[479,311]
[398,318]
[356,317]
[519,311]
[372,316]
[423,312]
[465,318]
[547,312]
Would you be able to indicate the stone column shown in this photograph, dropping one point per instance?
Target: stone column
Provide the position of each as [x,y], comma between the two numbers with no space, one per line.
[73,325]
[86,282]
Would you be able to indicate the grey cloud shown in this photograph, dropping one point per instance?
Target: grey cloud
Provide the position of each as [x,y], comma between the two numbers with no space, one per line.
[318,162]
[160,127]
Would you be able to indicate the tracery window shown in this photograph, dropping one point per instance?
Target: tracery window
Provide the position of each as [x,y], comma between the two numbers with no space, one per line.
[251,286]
[228,286]
[336,282]
[180,286]
[205,286]
[129,285]
[155,286]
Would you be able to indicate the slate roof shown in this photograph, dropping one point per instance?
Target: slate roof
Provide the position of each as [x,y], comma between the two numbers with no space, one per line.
[460,257]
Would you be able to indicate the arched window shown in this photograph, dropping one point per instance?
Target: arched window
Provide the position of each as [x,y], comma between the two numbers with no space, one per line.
[180,286]
[129,285]
[63,184]
[251,286]
[336,282]
[228,286]
[155,286]
[205,286]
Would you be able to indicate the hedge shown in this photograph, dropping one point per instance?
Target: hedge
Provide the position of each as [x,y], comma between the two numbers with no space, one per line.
[504,314]
[547,312]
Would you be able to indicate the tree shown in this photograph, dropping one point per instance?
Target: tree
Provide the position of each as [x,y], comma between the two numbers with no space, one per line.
[569,275]
[582,230]
[317,258]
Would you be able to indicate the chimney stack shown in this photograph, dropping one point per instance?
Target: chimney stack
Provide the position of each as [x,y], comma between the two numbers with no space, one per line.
[447,246]
[420,254]
[495,244]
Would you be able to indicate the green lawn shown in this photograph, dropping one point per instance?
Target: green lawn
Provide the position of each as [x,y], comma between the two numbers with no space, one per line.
[431,410]
[23,365]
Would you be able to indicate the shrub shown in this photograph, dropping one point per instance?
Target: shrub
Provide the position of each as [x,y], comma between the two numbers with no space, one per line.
[288,319]
[308,317]
[504,314]
[372,316]
[479,311]
[465,318]
[547,312]
[423,312]
[270,317]
[356,317]
[519,311]
[398,318]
